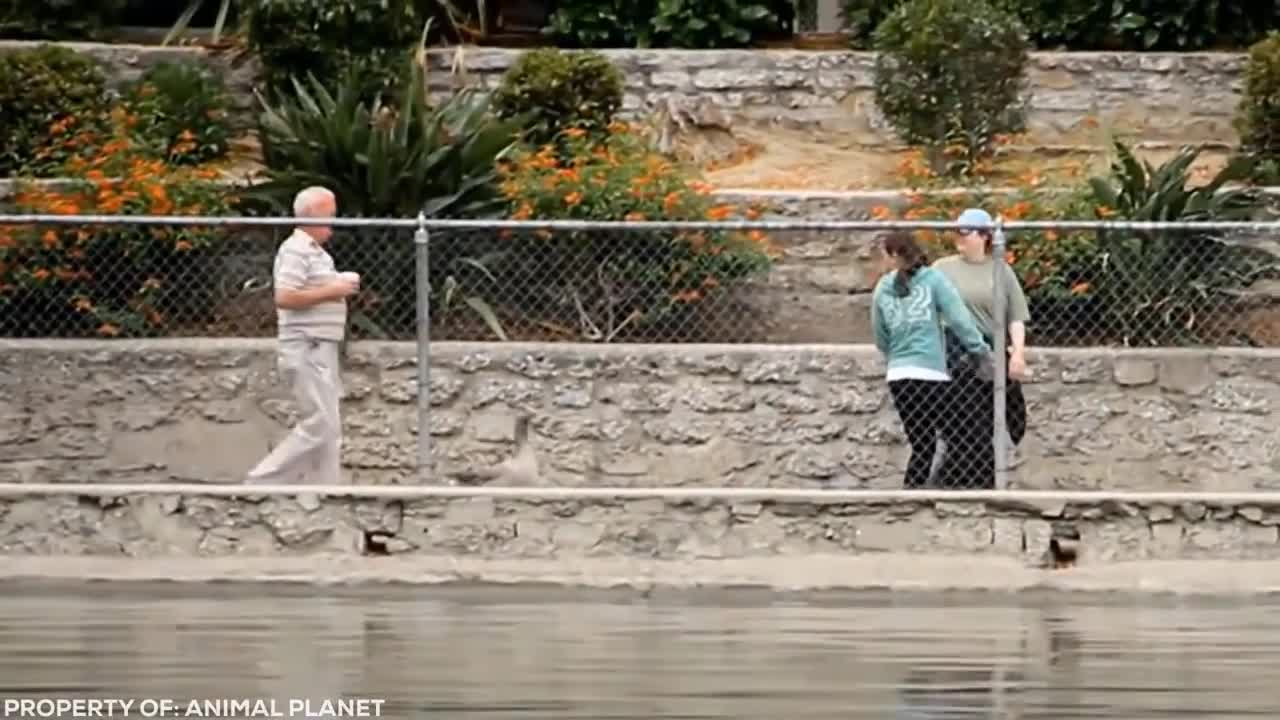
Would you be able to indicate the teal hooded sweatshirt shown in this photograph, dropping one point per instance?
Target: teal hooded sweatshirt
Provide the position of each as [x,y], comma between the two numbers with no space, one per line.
[908,330]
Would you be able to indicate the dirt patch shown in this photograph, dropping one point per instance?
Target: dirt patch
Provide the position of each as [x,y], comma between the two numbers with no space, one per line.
[778,158]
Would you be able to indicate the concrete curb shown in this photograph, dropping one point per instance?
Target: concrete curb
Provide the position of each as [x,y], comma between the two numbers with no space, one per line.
[817,574]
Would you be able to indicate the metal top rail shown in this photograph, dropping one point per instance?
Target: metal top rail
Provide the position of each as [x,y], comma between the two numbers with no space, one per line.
[625,226]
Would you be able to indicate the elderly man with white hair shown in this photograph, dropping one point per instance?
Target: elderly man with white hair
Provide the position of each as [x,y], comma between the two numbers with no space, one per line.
[311,311]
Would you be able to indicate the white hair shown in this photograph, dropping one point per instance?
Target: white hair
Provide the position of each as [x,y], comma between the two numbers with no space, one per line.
[305,202]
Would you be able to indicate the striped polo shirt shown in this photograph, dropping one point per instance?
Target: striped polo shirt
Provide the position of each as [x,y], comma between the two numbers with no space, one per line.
[302,263]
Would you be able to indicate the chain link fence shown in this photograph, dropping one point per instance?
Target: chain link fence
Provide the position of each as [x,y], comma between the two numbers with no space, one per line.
[1073,283]
[1084,284]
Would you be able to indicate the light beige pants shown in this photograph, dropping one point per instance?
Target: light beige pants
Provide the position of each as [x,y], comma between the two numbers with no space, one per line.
[312,452]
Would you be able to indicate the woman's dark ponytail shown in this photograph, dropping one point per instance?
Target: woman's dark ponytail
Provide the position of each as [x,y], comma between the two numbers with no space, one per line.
[902,247]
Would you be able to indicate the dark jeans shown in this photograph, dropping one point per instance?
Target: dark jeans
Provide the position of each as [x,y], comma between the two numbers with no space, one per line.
[968,426]
[921,404]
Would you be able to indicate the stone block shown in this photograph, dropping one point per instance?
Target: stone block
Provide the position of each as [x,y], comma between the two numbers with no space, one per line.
[1186,373]
[1134,372]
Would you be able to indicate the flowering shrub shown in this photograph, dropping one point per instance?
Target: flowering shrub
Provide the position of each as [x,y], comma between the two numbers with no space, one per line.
[641,282]
[111,280]
[37,87]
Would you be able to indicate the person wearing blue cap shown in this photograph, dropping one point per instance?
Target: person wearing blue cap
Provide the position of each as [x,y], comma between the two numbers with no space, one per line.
[969,424]
[907,309]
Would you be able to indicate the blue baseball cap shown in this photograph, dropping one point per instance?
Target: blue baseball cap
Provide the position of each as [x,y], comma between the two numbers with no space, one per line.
[975,219]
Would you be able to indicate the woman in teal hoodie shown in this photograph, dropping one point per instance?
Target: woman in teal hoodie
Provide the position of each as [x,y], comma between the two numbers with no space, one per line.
[908,307]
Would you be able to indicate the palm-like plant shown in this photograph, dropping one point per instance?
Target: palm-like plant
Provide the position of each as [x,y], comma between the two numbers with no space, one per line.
[386,160]
[193,7]
[1163,286]
[389,160]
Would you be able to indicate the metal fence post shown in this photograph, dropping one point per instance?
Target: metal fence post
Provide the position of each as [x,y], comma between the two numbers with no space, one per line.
[1000,332]
[422,281]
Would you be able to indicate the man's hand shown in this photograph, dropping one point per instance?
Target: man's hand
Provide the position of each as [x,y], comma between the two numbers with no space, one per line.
[1017,365]
[346,285]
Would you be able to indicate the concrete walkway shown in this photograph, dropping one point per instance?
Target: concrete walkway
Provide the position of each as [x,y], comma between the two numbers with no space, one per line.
[783,574]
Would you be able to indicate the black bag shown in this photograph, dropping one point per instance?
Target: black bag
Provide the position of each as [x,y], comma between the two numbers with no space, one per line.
[961,363]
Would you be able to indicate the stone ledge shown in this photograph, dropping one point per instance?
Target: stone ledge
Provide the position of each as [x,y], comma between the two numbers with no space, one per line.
[808,576]
[176,526]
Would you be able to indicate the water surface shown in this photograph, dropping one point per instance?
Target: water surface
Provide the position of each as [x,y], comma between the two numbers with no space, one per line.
[493,653]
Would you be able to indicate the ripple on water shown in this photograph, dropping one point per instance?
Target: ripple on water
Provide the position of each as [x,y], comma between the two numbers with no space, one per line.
[500,654]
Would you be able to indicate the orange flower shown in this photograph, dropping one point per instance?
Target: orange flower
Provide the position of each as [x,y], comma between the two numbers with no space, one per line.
[1050,235]
[617,127]
[687,296]
[41,274]
[573,198]
[524,212]
[109,330]
[880,212]
[182,246]
[575,132]
[50,240]
[719,212]
[671,201]
[634,217]
[1080,288]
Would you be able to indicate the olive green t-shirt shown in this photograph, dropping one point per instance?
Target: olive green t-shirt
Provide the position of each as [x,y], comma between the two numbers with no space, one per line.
[974,282]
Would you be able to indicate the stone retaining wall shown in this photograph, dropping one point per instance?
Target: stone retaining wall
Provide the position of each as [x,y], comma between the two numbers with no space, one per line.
[1074,97]
[194,525]
[735,416]
[1170,97]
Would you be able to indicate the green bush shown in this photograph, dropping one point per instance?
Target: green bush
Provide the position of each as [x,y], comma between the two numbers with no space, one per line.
[949,76]
[1120,25]
[707,24]
[692,24]
[183,111]
[38,88]
[384,161]
[58,19]
[334,39]
[1258,115]
[601,23]
[552,90]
